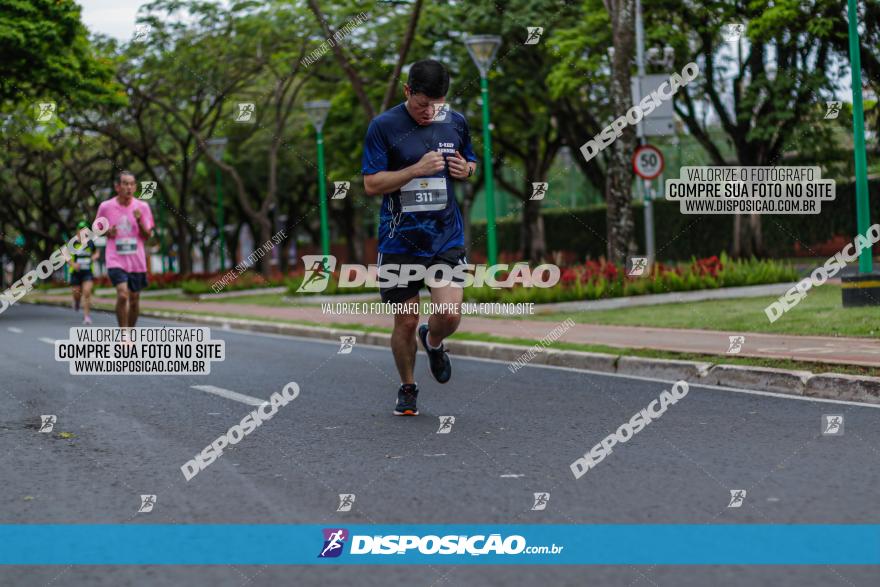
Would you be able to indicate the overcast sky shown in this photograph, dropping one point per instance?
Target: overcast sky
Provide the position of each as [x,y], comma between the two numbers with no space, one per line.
[110,17]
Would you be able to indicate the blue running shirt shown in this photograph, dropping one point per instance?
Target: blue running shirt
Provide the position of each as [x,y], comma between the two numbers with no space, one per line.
[394,141]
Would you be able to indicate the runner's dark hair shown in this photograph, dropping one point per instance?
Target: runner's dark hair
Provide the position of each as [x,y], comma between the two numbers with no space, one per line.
[428,77]
[121,173]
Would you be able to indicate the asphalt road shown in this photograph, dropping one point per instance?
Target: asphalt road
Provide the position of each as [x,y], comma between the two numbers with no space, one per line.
[514,434]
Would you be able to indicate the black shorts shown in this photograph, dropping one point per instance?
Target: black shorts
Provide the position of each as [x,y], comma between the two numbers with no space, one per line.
[395,295]
[78,277]
[136,281]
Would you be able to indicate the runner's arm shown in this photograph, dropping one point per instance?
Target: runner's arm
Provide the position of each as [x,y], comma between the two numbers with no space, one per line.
[142,218]
[387,181]
[384,182]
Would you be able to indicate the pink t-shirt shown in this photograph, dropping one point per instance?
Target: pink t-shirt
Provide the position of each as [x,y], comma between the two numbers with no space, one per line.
[126,250]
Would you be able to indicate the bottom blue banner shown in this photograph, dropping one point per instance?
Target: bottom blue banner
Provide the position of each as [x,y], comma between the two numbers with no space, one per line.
[264,544]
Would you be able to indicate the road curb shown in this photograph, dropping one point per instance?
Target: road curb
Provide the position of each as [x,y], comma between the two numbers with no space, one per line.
[850,387]
[663,368]
[802,383]
[764,378]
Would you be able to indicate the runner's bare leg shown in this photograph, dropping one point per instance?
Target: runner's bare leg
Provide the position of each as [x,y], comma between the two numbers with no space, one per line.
[134,307]
[122,304]
[87,297]
[443,324]
[403,340]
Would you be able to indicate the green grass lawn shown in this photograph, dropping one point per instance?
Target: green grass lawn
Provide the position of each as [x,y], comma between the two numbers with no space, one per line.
[476,336]
[595,348]
[269,299]
[820,314]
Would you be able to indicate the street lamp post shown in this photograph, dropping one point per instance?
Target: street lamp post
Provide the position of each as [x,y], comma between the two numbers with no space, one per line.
[482,49]
[317,111]
[860,289]
[861,162]
[218,147]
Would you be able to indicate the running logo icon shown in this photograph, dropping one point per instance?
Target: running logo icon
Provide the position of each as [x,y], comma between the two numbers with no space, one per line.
[539,190]
[441,110]
[833,109]
[346,344]
[446,423]
[534,33]
[638,265]
[732,32]
[48,422]
[340,189]
[317,275]
[832,425]
[147,503]
[541,500]
[245,112]
[45,111]
[736,344]
[140,33]
[736,498]
[346,501]
[148,188]
[334,542]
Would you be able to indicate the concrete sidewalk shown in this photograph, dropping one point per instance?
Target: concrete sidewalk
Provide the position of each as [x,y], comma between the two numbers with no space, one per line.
[847,351]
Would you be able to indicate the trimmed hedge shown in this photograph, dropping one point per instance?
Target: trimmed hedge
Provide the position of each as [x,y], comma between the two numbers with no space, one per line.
[680,237]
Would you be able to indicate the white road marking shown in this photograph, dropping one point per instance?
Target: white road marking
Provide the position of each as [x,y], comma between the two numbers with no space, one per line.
[575,370]
[15,330]
[229,394]
[439,454]
[512,476]
[47,340]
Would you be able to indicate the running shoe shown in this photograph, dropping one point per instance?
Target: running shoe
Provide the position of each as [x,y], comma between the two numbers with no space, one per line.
[87,320]
[441,368]
[406,400]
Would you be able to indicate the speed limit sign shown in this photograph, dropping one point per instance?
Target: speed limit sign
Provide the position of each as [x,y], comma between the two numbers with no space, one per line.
[648,162]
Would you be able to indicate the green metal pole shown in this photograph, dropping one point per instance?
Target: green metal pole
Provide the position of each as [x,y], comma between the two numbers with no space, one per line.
[863,210]
[492,244]
[220,221]
[322,198]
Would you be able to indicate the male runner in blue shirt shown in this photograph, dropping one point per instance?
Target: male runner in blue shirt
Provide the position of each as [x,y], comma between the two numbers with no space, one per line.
[411,153]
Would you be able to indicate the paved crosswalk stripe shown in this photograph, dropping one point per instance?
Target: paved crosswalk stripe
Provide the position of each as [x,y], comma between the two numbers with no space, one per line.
[229,394]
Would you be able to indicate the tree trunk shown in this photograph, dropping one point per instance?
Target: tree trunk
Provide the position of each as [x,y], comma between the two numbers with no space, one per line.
[265,227]
[354,232]
[19,264]
[206,257]
[184,255]
[532,243]
[618,193]
[736,249]
[284,255]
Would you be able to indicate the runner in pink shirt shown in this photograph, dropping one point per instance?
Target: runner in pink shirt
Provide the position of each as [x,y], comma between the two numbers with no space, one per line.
[131,224]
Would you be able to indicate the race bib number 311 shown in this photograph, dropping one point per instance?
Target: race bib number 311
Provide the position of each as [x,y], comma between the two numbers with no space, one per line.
[424,194]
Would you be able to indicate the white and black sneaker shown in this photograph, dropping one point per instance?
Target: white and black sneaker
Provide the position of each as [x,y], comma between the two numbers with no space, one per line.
[441,367]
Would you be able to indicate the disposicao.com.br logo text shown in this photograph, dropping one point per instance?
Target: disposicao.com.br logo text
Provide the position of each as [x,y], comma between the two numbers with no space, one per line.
[494,544]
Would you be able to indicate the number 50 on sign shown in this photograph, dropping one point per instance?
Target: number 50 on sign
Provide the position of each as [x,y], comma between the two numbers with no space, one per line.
[648,162]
